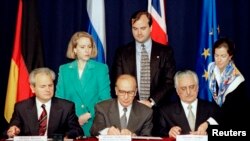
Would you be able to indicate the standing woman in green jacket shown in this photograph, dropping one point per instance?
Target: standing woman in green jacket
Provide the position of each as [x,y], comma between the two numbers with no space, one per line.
[83,81]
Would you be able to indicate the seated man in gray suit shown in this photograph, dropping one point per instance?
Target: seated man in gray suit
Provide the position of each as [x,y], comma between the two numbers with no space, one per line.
[189,115]
[44,114]
[123,115]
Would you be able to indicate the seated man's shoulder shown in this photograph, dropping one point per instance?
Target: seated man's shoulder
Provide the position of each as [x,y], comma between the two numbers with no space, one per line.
[208,106]
[142,107]
[26,102]
[106,103]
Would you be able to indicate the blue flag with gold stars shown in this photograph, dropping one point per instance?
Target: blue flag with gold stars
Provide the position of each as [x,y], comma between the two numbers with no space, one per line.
[208,35]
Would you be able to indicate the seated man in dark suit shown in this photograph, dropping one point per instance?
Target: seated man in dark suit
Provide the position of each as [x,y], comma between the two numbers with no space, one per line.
[188,115]
[55,116]
[123,115]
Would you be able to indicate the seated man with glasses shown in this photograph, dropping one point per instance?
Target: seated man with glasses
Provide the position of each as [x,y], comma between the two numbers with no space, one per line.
[123,115]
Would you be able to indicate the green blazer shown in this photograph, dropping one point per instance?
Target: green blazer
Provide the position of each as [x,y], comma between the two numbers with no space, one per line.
[85,92]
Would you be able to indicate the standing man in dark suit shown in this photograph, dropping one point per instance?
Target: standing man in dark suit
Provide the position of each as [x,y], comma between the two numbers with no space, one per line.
[176,118]
[161,66]
[60,114]
[110,113]
[162,63]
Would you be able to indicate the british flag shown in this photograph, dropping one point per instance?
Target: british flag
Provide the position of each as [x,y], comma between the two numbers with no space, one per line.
[159,29]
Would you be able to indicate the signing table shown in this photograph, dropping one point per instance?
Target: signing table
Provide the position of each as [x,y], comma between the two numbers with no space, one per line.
[163,139]
[96,139]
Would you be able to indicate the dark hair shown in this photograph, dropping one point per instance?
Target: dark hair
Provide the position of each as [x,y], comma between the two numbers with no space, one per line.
[137,15]
[226,43]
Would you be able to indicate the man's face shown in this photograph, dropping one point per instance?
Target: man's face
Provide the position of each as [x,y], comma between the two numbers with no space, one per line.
[141,29]
[125,91]
[187,88]
[43,88]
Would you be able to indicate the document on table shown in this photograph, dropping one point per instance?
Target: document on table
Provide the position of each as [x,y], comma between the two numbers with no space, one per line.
[125,138]
[147,137]
[191,138]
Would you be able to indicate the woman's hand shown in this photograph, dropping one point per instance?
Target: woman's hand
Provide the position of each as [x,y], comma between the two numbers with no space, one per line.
[84,118]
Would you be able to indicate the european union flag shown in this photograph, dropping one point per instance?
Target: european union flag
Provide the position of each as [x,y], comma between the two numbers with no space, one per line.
[208,35]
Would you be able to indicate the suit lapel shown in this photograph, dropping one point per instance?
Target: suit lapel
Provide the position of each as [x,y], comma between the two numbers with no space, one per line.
[32,118]
[54,116]
[133,120]
[114,120]
[83,81]
[87,74]
[200,112]
[181,117]
[154,61]
[74,76]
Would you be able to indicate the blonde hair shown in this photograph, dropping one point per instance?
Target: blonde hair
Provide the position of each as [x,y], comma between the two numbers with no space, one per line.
[73,43]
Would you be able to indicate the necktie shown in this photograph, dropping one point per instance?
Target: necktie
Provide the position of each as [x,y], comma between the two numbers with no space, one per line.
[191,118]
[123,119]
[43,121]
[145,75]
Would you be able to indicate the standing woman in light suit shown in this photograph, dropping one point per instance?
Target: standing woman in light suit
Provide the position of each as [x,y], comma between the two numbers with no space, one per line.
[83,81]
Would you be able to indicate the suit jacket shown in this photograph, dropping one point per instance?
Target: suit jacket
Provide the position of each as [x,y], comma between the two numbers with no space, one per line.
[162,68]
[62,118]
[233,111]
[174,115]
[107,115]
[85,92]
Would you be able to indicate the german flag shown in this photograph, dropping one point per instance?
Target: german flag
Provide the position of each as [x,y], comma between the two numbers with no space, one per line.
[27,55]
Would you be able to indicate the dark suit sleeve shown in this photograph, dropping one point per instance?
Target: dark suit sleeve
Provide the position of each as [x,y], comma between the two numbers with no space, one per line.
[15,119]
[74,128]
[163,124]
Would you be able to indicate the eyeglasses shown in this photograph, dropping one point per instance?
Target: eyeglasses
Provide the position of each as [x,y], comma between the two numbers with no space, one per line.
[123,93]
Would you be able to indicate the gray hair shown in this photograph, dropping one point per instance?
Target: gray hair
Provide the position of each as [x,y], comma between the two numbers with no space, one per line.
[36,71]
[182,73]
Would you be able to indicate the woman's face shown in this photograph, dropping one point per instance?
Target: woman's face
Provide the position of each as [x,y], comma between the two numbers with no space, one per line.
[221,57]
[83,49]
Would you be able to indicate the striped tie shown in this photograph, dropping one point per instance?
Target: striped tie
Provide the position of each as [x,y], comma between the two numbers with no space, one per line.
[145,75]
[43,121]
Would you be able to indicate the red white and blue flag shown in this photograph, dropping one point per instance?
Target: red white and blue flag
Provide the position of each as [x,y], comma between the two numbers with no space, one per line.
[96,13]
[159,29]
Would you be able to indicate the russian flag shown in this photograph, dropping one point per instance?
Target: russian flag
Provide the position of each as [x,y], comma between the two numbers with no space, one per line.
[96,13]
[159,29]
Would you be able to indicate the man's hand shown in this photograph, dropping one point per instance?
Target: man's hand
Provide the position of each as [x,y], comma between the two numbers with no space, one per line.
[127,132]
[202,129]
[174,131]
[13,131]
[113,131]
